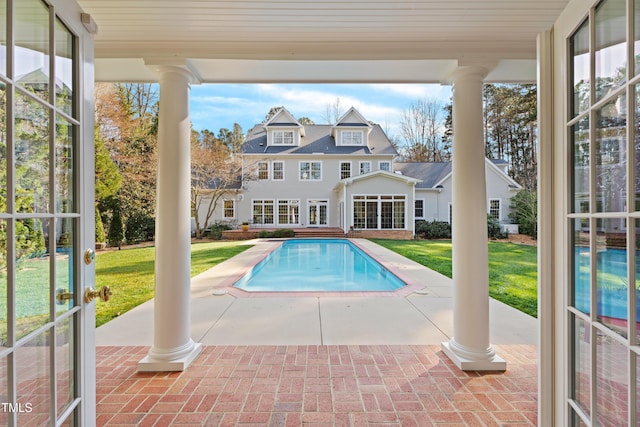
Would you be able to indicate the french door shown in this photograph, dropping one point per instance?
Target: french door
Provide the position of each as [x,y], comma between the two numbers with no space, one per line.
[318,213]
[47,352]
[598,140]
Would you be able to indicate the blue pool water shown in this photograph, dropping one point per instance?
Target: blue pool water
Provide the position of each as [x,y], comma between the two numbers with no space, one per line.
[327,265]
[611,283]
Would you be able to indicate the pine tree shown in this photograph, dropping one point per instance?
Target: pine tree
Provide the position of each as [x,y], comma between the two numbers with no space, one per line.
[116,229]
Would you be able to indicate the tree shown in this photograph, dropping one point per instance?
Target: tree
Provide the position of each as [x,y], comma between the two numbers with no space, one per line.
[332,111]
[108,177]
[100,236]
[116,231]
[305,121]
[233,139]
[524,212]
[214,174]
[510,129]
[421,125]
[126,115]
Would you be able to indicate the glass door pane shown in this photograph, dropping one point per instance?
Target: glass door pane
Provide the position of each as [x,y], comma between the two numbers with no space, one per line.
[32,47]
[611,46]
[39,232]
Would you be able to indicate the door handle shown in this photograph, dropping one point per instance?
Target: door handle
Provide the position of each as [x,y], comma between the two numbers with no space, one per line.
[104,294]
[63,296]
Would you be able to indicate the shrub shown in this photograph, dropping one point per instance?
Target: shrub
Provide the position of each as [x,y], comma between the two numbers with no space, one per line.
[279,233]
[433,229]
[283,232]
[524,212]
[115,235]
[139,228]
[493,228]
[215,230]
[100,236]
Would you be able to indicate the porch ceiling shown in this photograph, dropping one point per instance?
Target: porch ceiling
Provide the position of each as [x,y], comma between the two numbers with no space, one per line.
[364,40]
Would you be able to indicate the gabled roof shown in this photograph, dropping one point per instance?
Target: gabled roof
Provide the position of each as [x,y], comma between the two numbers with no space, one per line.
[283,118]
[374,174]
[318,139]
[434,174]
[352,118]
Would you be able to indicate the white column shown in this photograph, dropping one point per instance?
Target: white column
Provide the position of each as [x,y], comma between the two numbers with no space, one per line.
[173,349]
[469,348]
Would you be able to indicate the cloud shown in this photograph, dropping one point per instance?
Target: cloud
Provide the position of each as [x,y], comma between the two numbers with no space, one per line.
[215,106]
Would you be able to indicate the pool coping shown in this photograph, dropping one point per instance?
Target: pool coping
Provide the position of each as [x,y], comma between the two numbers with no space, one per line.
[226,286]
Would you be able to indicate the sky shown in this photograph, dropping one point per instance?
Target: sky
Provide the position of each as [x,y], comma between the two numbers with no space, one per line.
[215,106]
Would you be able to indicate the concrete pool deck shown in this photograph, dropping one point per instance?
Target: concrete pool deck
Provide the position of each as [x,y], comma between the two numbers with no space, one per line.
[419,314]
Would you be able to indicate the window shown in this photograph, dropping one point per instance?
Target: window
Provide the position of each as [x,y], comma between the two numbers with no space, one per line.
[419,209]
[352,137]
[263,171]
[345,170]
[384,166]
[494,209]
[379,212]
[277,171]
[365,167]
[310,171]
[263,212]
[283,137]
[450,213]
[288,212]
[229,209]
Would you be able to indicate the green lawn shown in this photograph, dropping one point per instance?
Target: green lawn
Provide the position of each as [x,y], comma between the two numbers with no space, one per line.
[130,273]
[513,274]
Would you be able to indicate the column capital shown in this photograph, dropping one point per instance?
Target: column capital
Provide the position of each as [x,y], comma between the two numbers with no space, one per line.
[478,69]
[182,66]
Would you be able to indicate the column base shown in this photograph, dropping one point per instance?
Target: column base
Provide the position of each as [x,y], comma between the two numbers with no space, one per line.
[149,364]
[466,363]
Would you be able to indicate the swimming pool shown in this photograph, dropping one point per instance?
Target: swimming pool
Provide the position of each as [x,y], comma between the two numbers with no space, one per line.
[612,296]
[318,265]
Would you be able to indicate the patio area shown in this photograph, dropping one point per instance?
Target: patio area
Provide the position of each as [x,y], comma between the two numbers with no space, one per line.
[318,358]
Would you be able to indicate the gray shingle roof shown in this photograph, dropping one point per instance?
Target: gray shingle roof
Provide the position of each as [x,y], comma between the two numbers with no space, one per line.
[317,139]
[428,173]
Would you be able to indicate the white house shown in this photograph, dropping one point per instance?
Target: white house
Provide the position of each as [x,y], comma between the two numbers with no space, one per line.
[434,192]
[344,175]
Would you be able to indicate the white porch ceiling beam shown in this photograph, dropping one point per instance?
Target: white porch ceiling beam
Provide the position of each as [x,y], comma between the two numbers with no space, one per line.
[294,71]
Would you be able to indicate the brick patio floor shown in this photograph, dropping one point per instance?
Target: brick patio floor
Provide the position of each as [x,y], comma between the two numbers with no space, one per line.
[371,385]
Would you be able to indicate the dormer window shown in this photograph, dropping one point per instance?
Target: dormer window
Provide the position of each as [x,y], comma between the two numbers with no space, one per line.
[283,137]
[352,130]
[352,137]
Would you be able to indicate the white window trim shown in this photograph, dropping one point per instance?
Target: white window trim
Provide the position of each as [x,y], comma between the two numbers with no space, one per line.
[273,171]
[352,132]
[423,208]
[379,200]
[350,169]
[327,203]
[499,200]
[276,217]
[275,210]
[360,163]
[258,170]
[282,131]
[384,161]
[224,209]
[310,162]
